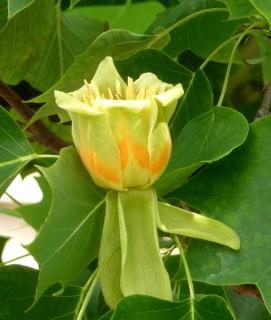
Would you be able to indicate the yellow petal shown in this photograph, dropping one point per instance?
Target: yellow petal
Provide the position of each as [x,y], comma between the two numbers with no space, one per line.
[98,150]
[160,150]
[107,76]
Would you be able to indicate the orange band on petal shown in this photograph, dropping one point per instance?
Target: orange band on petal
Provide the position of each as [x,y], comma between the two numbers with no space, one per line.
[124,152]
[98,167]
[141,154]
[160,163]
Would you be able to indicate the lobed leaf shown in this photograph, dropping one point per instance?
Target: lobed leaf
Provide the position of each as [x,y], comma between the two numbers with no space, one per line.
[15,150]
[69,239]
[19,283]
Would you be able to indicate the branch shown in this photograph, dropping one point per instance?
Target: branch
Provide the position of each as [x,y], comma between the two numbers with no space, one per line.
[40,132]
[265,106]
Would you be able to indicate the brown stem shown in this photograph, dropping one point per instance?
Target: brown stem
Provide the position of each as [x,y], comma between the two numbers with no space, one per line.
[265,106]
[40,132]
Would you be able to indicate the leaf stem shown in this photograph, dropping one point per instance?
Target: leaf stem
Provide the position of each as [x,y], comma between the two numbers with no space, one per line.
[188,276]
[88,290]
[13,199]
[182,21]
[59,44]
[227,75]
[46,156]
[14,259]
[216,50]
[90,286]
[229,303]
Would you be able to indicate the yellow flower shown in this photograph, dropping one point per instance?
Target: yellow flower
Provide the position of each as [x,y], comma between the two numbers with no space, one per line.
[121,129]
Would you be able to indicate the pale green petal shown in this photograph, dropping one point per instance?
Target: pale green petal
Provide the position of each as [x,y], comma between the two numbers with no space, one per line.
[106,76]
[168,100]
[110,253]
[148,80]
[143,271]
[179,221]
[132,106]
[68,102]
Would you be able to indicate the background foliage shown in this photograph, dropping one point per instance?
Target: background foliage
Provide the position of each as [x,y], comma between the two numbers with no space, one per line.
[220,51]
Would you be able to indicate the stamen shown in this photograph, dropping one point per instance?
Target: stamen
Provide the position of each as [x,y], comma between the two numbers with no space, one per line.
[130,91]
[118,90]
[141,94]
[95,89]
[110,94]
[88,99]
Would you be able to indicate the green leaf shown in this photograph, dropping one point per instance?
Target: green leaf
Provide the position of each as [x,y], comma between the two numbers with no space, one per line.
[73,3]
[204,139]
[176,13]
[148,308]
[20,284]
[202,35]
[263,7]
[247,307]
[236,190]
[157,62]
[240,9]
[70,34]
[15,151]
[197,99]
[205,28]
[3,13]
[15,6]
[179,221]
[123,16]
[69,239]
[119,44]
[21,37]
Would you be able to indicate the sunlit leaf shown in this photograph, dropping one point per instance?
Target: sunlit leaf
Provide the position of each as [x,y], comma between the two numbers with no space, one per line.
[15,6]
[123,16]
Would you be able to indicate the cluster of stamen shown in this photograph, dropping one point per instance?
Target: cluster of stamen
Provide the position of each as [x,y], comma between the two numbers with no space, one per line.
[132,92]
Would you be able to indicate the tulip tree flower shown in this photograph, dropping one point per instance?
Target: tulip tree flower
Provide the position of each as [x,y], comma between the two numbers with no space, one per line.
[120,130]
